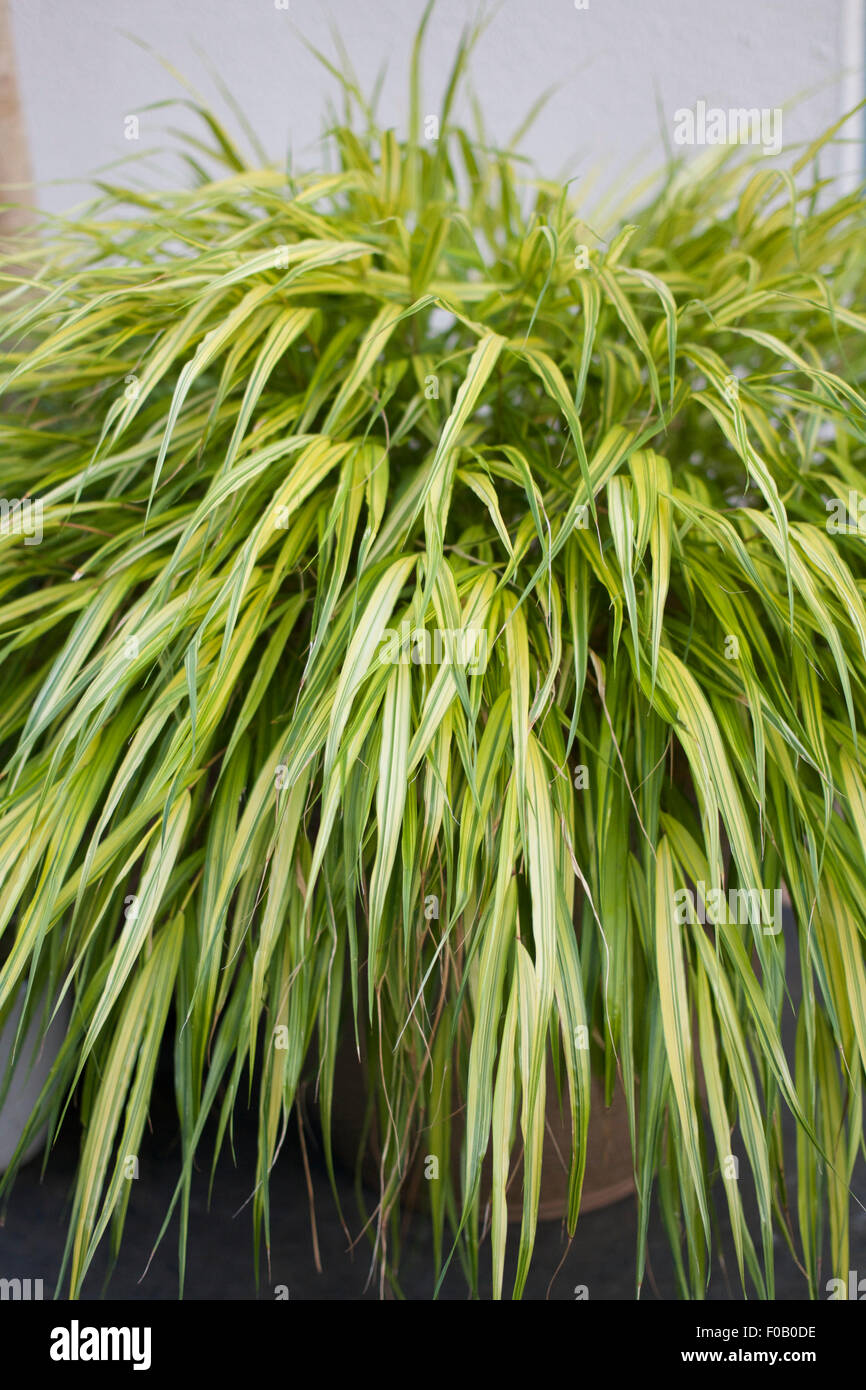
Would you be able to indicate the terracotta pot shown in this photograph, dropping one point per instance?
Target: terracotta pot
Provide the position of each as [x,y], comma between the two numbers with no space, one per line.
[609,1176]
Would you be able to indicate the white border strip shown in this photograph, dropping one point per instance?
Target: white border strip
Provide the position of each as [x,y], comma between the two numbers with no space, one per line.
[853,89]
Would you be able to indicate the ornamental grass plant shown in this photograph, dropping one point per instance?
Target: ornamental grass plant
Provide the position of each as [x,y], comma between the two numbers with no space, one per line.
[435,594]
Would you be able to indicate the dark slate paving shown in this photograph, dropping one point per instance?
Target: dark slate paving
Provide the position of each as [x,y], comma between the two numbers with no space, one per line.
[220,1250]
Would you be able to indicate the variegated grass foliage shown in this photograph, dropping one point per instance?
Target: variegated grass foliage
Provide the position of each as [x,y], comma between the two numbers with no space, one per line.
[271,417]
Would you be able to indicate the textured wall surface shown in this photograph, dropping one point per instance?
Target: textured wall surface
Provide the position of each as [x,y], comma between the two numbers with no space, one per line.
[624,67]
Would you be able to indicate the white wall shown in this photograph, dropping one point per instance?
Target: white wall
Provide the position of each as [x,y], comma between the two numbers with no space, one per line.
[625,66]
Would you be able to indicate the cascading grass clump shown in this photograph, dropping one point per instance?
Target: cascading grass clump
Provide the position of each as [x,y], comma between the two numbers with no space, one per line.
[283,432]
